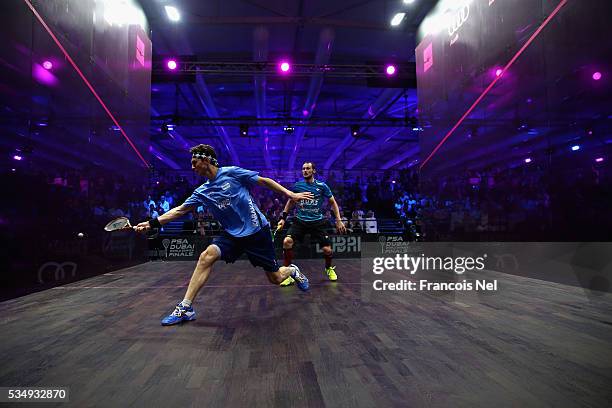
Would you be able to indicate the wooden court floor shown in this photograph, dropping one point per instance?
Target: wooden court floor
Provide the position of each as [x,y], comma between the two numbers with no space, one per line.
[530,344]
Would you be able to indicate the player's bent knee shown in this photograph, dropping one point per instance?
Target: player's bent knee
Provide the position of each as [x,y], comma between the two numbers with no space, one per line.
[327,250]
[275,277]
[287,243]
[209,255]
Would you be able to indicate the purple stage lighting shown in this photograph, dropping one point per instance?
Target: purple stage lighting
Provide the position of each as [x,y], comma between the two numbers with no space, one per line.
[47,65]
[285,66]
[597,76]
[390,70]
[599,159]
[43,76]
[498,72]
[171,64]
[528,160]
[17,157]
[575,148]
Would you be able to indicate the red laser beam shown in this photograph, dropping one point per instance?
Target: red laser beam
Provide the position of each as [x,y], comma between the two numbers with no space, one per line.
[91,88]
[497,78]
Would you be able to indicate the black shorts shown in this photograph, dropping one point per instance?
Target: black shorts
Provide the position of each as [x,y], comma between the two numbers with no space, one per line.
[318,231]
[258,247]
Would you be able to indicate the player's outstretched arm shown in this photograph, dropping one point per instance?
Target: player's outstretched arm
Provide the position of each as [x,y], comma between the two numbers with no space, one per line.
[274,186]
[165,218]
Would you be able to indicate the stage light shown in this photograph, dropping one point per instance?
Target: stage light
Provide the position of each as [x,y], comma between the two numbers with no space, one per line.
[390,70]
[173,13]
[43,76]
[355,130]
[599,159]
[597,76]
[285,66]
[167,127]
[498,72]
[528,160]
[47,65]
[575,148]
[17,157]
[244,130]
[397,19]
[432,25]
[172,64]
[288,129]
[408,1]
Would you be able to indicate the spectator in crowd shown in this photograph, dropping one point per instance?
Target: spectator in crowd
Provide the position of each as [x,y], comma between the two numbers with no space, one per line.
[169,198]
[148,202]
[152,212]
[371,225]
[164,205]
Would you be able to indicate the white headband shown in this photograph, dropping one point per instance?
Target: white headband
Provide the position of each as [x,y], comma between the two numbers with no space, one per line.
[211,159]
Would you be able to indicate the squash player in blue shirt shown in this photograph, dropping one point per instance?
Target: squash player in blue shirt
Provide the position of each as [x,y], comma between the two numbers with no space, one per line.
[310,220]
[226,194]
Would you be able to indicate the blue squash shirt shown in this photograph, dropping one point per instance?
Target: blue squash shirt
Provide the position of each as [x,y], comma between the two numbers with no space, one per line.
[228,198]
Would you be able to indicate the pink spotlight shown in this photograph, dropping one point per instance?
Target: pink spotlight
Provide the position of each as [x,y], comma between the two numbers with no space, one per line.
[597,76]
[528,160]
[172,64]
[599,159]
[285,66]
[47,65]
[498,72]
[17,157]
[390,70]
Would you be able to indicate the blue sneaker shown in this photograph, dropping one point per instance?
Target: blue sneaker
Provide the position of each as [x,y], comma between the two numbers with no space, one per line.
[180,314]
[300,279]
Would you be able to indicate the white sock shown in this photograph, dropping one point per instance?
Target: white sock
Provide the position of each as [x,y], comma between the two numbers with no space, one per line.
[186,303]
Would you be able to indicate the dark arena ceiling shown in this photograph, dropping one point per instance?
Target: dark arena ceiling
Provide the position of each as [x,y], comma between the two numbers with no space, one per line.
[337,118]
[303,32]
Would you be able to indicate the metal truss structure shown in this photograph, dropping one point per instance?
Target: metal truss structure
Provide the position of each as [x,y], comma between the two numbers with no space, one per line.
[405,70]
